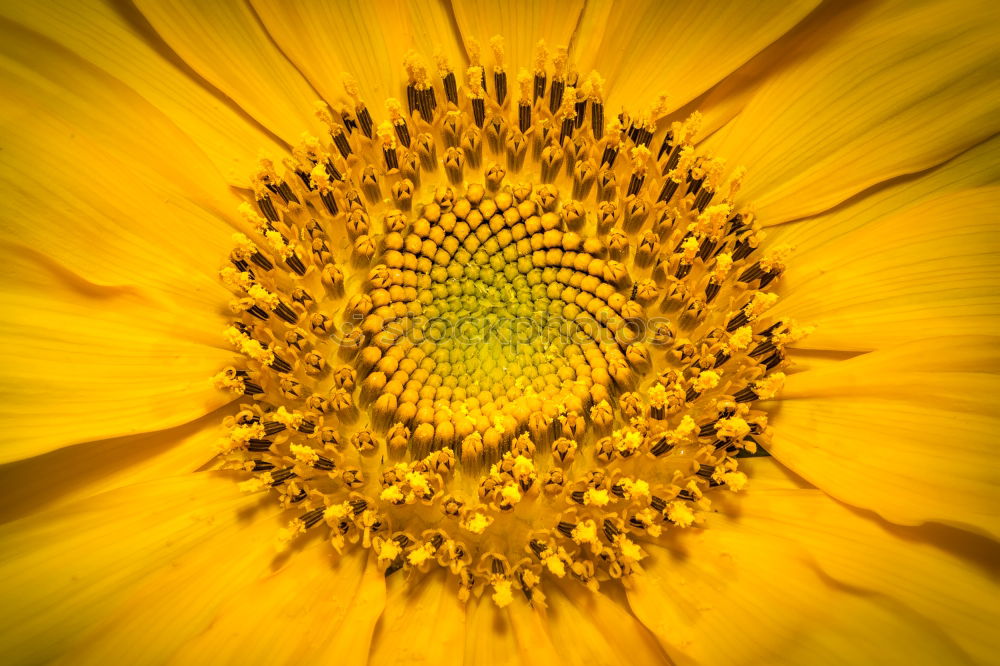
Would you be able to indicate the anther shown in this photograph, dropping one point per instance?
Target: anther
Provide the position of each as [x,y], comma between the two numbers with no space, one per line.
[272,428]
[279,477]
[296,264]
[703,199]
[339,137]
[581,109]
[310,518]
[266,206]
[609,155]
[499,76]
[259,445]
[556,94]
[666,146]
[349,123]
[669,189]
[365,121]
[450,87]
[642,137]
[635,184]
[610,530]
[479,111]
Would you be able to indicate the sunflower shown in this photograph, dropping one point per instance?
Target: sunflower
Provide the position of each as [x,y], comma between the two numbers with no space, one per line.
[578,332]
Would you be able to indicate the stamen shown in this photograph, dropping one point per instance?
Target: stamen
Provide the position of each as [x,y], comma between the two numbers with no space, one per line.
[499,75]
[558,87]
[541,60]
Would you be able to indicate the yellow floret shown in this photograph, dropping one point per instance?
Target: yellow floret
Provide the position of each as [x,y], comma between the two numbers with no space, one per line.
[337,511]
[706,380]
[278,244]
[502,595]
[680,514]
[287,418]
[511,493]
[418,556]
[418,483]
[635,488]
[742,338]
[631,552]
[319,176]
[477,523]
[585,532]
[555,564]
[723,263]
[687,427]
[690,247]
[392,494]
[657,395]
[767,387]
[595,497]
[761,302]
[523,468]
[255,484]
[388,551]
[304,454]
[242,434]
[287,534]
[736,481]
[251,348]
[733,427]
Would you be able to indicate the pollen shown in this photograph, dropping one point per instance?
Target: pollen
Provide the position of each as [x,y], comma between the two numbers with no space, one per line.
[477,523]
[502,594]
[596,497]
[680,514]
[509,335]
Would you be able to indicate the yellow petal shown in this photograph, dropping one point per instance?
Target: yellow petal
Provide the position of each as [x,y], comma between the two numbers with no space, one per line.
[590,627]
[67,571]
[84,362]
[577,627]
[530,629]
[977,167]
[747,590]
[909,432]
[942,575]
[521,24]
[73,473]
[367,40]
[929,270]
[317,608]
[647,48]
[489,637]
[423,623]
[814,33]
[905,89]
[102,182]
[225,43]
[972,169]
[106,35]
[803,360]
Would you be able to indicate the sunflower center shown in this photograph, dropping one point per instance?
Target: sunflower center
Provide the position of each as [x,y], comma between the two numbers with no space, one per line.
[498,334]
[485,313]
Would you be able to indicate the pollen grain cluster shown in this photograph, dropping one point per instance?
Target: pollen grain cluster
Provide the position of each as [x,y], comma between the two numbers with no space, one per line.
[499,333]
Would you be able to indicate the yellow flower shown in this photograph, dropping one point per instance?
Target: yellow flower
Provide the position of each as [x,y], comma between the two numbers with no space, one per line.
[242,331]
